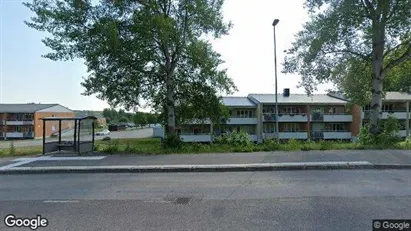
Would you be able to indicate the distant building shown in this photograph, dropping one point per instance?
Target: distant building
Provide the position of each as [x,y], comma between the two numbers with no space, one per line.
[101,120]
[23,121]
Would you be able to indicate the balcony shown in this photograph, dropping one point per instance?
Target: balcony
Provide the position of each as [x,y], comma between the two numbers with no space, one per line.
[317,117]
[14,135]
[267,117]
[200,137]
[197,121]
[253,138]
[20,122]
[292,117]
[317,135]
[400,114]
[269,136]
[403,133]
[337,118]
[337,135]
[300,135]
[232,121]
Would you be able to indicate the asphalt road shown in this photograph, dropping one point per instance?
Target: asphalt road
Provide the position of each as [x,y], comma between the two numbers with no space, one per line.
[138,133]
[287,200]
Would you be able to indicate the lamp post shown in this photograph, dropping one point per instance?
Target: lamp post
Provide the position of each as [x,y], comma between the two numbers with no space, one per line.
[276,86]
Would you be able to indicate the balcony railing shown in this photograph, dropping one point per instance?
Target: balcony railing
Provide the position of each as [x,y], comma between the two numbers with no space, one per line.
[337,117]
[269,117]
[292,117]
[241,120]
[317,116]
[196,137]
[398,113]
[337,135]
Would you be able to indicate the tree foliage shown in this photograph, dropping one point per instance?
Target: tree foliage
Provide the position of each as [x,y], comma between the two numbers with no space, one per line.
[354,37]
[146,49]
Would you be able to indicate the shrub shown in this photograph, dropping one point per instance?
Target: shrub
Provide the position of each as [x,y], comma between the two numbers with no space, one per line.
[235,138]
[292,144]
[107,138]
[12,150]
[96,147]
[389,133]
[324,145]
[112,147]
[172,141]
[271,145]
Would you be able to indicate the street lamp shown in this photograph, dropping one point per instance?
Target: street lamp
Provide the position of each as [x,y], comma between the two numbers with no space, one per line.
[276,90]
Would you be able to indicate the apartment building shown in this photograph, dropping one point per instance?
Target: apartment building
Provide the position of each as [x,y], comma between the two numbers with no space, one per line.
[23,121]
[396,104]
[301,117]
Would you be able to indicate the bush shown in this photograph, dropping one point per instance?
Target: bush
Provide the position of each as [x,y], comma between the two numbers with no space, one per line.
[107,138]
[291,145]
[112,147]
[271,145]
[96,147]
[389,133]
[235,138]
[172,141]
[324,145]
[12,150]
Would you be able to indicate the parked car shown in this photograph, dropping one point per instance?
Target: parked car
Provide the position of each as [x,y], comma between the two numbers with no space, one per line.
[105,132]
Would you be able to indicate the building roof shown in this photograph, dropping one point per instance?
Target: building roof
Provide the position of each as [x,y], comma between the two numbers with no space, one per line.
[237,101]
[297,99]
[69,118]
[397,96]
[24,108]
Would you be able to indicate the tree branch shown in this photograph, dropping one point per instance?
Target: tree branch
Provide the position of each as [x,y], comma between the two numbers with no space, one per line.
[402,58]
[369,8]
[407,42]
[363,56]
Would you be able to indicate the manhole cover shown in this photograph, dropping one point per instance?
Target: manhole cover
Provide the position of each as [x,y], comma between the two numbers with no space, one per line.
[182,200]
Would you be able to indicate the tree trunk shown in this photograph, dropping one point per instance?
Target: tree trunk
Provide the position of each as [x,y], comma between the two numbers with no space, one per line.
[378,42]
[171,119]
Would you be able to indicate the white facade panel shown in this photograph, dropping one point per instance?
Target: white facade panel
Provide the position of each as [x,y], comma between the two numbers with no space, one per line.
[294,135]
[337,118]
[293,118]
[240,121]
[337,135]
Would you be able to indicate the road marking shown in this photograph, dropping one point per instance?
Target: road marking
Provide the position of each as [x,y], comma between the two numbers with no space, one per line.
[61,201]
[23,161]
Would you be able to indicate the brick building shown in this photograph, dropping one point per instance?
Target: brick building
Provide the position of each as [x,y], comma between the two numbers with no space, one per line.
[23,121]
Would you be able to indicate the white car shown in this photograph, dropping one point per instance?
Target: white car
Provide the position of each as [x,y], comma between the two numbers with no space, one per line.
[103,133]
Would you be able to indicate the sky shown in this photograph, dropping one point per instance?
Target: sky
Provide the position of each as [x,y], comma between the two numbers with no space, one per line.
[248,52]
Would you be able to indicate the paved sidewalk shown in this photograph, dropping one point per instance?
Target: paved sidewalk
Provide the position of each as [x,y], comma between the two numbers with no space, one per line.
[258,161]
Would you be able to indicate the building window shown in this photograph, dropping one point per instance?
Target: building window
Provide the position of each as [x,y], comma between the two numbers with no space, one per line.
[244,114]
[269,128]
[17,129]
[333,110]
[290,110]
[387,107]
[337,127]
[291,127]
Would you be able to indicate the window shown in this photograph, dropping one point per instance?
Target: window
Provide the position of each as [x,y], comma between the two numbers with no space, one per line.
[290,110]
[17,129]
[337,127]
[244,114]
[387,107]
[291,127]
[269,128]
[333,110]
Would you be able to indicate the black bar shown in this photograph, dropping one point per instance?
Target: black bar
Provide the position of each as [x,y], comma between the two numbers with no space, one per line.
[92,136]
[75,135]
[44,137]
[78,143]
[59,135]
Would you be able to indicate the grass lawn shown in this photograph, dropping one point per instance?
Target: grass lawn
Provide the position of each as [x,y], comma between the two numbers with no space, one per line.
[152,146]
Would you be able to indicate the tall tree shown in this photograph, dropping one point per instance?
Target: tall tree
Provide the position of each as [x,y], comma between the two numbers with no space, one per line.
[134,49]
[340,32]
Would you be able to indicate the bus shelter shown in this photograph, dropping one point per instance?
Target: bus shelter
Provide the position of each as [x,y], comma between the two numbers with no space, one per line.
[77,143]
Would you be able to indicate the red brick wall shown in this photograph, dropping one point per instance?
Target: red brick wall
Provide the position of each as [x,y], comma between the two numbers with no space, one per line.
[38,123]
[356,120]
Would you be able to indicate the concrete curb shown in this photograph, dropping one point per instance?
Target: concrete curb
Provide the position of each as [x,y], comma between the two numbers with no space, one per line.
[204,168]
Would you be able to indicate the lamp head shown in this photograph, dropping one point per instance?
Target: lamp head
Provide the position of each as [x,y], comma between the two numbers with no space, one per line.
[275,22]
